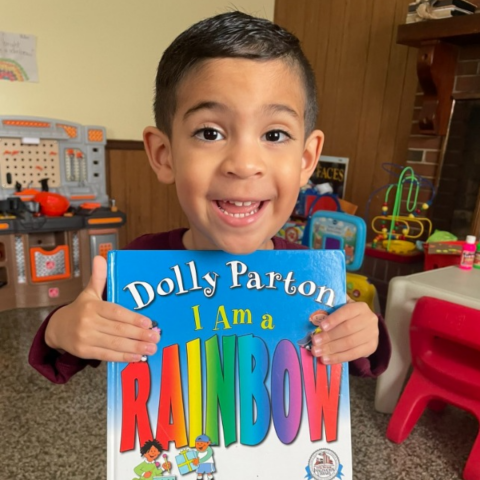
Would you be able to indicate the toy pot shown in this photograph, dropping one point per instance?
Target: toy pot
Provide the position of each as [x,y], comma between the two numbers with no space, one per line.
[52,204]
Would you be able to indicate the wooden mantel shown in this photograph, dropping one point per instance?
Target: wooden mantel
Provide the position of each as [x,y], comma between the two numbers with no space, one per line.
[438,42]
[464,30]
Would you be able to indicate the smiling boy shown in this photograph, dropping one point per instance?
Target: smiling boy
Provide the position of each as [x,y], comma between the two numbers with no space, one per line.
[238,152]
[235,112]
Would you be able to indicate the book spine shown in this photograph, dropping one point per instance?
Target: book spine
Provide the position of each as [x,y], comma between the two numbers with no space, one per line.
[111,276]
[113,376]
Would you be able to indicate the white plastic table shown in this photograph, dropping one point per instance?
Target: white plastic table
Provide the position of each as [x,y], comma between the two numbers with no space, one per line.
[451,284]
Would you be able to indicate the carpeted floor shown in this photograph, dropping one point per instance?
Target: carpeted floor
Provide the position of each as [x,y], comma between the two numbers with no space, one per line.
[59,431]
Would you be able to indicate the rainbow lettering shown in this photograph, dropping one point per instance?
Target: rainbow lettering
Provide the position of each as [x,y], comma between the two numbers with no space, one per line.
[241,365]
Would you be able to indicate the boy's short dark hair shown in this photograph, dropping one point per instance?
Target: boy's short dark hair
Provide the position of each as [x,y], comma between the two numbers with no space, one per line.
[229,35]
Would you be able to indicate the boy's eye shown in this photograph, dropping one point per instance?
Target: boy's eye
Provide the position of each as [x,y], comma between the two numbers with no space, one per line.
[208,135]
[277,136]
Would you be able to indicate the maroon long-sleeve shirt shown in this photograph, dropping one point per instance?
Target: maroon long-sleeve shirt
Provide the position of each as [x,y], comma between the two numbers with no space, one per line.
[60,367]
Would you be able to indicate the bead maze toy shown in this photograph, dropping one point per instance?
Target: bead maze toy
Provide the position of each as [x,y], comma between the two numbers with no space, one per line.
[407,220]
[55,214]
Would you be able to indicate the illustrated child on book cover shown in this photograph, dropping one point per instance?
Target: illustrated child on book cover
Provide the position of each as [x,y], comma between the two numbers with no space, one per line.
[151,467]
[204,460]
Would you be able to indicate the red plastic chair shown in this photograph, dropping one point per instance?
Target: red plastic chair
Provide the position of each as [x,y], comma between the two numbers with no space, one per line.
[445,347]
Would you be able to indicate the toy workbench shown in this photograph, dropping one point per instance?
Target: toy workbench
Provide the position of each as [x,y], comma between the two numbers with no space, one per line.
[45,259]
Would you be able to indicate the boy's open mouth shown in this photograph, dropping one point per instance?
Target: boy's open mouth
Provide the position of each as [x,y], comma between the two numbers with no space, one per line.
[238,209]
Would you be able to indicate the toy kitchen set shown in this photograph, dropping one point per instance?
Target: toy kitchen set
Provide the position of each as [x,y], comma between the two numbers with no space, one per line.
[55,214]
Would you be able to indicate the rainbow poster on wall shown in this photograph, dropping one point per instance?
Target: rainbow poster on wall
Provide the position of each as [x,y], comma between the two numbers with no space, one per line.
[18,61]
[233,391]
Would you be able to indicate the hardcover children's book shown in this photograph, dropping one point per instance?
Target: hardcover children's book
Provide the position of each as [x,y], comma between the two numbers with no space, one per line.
[233,391]
[332,170]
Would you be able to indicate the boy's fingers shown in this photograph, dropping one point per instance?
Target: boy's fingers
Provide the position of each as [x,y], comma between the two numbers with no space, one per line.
[98,280]
[120,345]
[106,355]
[128,346]
[342,330]
[350,310]
[117,313]
[364,350]
[342,344]
[127,330]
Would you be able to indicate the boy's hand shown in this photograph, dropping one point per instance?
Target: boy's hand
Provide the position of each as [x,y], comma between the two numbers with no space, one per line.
[92,328]
[348,333]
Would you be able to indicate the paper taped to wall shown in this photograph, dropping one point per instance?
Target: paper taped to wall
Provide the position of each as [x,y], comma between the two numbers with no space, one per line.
[18,57]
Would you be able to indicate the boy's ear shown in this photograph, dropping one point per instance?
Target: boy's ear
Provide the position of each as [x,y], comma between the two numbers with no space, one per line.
[311,154]
[159,152]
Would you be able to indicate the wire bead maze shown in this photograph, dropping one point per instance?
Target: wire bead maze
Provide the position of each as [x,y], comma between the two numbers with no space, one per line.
[407,220]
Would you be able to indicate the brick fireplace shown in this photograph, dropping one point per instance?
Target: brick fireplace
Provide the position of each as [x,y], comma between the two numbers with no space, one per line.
[441,159]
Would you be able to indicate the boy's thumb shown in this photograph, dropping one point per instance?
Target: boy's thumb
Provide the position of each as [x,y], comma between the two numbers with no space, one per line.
[98,279]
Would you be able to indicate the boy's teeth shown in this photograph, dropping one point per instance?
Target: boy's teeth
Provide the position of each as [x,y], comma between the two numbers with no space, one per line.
[240,204]
[238,209]
[240,215]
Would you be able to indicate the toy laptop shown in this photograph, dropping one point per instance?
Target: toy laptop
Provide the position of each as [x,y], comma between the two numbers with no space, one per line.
[338,231]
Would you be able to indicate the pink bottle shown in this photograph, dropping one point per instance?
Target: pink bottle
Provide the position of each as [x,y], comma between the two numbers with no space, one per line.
[468,253]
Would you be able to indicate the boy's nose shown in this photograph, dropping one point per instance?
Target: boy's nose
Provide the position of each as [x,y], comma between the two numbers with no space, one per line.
[243,161]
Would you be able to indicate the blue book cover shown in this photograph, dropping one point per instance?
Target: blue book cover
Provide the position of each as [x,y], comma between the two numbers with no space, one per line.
[233,391]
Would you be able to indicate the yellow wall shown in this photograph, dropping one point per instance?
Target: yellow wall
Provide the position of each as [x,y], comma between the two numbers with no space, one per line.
[97,58]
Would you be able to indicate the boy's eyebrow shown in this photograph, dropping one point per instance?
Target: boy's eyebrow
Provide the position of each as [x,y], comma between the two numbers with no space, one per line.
[280,107]
[205,105]
[269,109]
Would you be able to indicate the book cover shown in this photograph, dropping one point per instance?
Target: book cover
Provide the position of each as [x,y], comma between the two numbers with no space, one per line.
[332,170]
[233,391]
[462,4]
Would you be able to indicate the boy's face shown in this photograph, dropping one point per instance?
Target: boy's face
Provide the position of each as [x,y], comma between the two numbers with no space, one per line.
[237,152]
[201,446]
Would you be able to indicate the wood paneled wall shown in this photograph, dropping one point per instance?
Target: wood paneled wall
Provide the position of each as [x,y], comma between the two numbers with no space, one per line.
[366,83]
[150,206]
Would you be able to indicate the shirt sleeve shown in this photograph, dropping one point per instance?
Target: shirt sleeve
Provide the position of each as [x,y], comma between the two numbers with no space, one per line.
[53,365]
[377,362]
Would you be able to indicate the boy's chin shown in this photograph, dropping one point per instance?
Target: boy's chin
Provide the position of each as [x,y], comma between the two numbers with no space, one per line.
[240,251]
[237,243]
[245,248]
